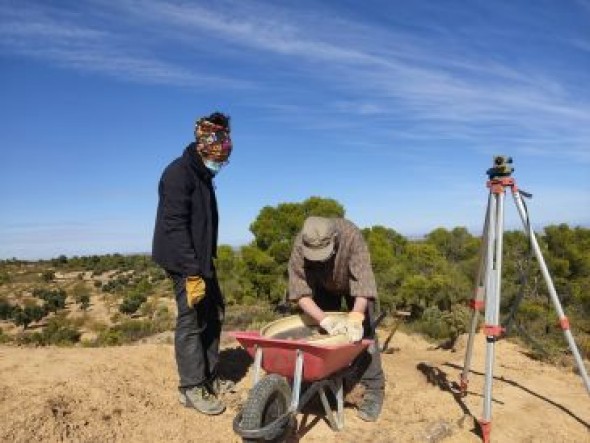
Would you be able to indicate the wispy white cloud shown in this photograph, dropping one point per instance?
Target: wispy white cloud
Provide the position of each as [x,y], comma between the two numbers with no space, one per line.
[52,35]
[408,76]
[261,27]
[432,82]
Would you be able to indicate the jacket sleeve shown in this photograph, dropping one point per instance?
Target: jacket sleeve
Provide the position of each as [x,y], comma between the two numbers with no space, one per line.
[362,281]
[177,222]
[298,286]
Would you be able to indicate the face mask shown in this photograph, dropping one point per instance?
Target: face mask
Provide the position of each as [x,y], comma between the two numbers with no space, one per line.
[213,166]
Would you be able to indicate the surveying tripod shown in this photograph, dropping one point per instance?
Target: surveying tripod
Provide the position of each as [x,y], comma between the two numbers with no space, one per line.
[488,284]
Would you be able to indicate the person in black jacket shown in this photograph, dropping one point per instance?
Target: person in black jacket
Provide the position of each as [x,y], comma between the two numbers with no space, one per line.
[185,244]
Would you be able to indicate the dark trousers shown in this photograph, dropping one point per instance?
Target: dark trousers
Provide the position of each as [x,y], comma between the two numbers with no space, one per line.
[368,364]
[196,338]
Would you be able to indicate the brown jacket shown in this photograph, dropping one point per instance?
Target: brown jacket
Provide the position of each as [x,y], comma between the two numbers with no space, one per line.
[349,273]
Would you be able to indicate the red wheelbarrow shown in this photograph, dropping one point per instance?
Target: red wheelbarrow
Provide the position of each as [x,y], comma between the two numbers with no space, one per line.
[296,370]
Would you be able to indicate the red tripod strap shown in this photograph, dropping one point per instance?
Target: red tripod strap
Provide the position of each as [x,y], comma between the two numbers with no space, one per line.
[493,330]
[476,305]
[564,323]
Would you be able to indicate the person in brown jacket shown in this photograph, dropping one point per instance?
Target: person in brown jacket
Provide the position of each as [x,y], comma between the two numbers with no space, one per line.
[330,264]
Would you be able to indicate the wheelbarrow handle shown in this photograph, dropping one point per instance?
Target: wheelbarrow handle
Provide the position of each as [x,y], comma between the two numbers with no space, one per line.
[377,321]
[400,315]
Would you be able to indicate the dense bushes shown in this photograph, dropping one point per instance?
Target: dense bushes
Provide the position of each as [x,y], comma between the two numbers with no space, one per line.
[135,297]
[99,264]
[81,295]
[54,299]
[432,277]
[131,303]
[59,331]
[22,316]
[132,330]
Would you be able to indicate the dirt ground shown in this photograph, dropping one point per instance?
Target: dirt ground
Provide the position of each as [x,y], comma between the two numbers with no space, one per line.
[129,394]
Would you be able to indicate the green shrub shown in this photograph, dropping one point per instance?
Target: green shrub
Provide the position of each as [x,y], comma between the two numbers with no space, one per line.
[60,331]
[79,290]
[530,311]
[156,275]
[54,299]
[132,330]
[81,295]
[84,302]
[20,317]
[35,338]
[458,320]
[583,342]
[6,309]
[48,276]
[4,338]
[110,337]
[131,303]
[5,278]
[433,324]
[34,312]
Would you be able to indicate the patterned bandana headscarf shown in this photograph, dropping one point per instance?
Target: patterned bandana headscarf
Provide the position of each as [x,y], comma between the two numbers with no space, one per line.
[213,141]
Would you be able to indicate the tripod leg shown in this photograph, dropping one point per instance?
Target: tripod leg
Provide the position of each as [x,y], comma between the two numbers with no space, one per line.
[563,321]
[477,302]
[492,328]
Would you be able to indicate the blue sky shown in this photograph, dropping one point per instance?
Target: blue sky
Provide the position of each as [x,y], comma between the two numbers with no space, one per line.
[393,108]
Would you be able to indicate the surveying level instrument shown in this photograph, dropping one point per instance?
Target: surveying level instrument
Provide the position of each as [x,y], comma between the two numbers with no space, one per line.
[488,283]
[502,167]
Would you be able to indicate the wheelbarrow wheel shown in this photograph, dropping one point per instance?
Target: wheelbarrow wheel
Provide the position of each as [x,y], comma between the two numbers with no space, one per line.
[268,400]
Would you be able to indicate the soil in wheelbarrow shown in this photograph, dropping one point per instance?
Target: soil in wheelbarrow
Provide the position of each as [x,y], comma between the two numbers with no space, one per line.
[128,394]
[301,333]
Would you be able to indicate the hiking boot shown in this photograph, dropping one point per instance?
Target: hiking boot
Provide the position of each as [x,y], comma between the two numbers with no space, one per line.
[219,386]
[200,399]
[371,406]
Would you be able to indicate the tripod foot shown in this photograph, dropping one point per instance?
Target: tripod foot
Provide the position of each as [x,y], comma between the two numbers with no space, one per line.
[486,429]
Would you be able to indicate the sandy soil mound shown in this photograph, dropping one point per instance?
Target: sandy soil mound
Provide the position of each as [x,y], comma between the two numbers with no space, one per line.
[129,394]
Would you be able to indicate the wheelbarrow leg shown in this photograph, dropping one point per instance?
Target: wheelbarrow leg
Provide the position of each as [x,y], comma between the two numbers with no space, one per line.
[297,378]
[336,420]
[340,404]
[257,363]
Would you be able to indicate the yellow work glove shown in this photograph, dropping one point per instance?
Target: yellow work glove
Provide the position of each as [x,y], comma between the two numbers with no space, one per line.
[333,325]
[354,326]
[195,290]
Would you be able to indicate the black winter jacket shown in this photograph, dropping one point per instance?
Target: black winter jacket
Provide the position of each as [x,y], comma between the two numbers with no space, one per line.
[185,235]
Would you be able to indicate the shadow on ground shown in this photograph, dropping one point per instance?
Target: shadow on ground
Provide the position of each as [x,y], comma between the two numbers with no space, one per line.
[529,391]
[437,377]
[234,363]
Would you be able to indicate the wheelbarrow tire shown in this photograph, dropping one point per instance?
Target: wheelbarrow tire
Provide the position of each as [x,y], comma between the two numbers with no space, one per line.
[268,400]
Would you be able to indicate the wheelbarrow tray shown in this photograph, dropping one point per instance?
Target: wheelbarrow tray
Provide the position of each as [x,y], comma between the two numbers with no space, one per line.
[279,356]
